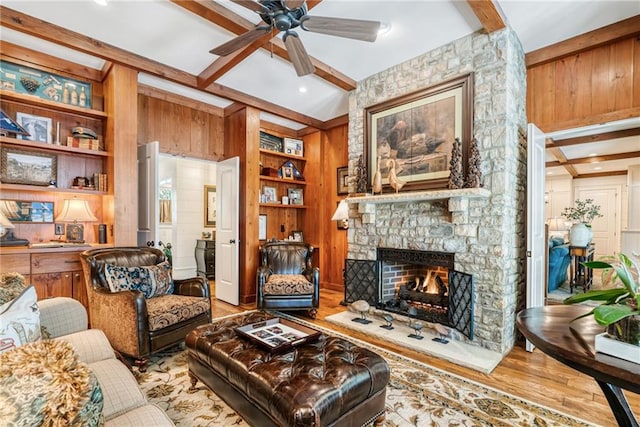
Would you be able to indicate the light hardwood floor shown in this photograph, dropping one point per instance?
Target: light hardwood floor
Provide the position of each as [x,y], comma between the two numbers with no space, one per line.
[531,376]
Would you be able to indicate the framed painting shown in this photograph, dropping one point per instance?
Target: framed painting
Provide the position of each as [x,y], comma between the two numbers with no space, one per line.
[27,211]
[210,206]
[343,180]
[28,167]
[415,133]
[39,128]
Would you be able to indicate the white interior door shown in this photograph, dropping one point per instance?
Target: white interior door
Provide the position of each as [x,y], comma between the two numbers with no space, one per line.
[148,215]
[536,244]
[227,230]
[605,229]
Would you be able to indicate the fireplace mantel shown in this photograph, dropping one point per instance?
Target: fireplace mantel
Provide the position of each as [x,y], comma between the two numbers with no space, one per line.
[416,196]
[458,200]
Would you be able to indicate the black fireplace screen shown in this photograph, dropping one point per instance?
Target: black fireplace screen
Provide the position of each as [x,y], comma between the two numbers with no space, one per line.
[363,281]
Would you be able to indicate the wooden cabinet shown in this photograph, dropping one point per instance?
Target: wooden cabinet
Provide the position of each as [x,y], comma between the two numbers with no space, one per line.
[205,253]
[54,273]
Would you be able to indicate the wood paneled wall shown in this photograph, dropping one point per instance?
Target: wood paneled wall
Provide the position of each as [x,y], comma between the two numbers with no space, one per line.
[184,130]
[332,241]
[593,86]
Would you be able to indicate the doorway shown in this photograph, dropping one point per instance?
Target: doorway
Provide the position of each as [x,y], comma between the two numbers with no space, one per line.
[605,229]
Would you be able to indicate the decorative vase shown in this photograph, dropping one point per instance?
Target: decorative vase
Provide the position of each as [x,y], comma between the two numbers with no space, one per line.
[590,231]
[579,235]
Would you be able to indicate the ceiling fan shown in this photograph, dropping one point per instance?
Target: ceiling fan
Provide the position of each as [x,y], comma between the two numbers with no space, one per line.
[285,15]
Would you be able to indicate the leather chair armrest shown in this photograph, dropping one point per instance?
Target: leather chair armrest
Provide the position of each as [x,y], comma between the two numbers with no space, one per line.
[129,333]
[193,287]
[262,276]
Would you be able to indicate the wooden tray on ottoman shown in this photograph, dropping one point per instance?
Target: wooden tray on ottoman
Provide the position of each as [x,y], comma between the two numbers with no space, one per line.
[278,335]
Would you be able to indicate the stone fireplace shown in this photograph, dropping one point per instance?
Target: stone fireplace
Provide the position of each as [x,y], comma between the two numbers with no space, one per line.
[484,228]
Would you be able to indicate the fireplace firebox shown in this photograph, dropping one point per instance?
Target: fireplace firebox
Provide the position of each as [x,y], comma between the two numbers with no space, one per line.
[418,284]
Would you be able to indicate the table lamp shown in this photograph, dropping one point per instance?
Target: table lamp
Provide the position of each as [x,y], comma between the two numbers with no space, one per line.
[6,233]
[342,215]
[557,226]
[74,211]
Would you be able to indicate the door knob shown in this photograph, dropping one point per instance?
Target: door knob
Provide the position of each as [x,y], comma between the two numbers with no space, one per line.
[232,241]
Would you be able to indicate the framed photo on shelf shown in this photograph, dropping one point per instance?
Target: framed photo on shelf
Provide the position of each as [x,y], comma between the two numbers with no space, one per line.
[287,172]
[415,133]
[209,206]
[295,147]
[297,236]
[30,211]
[343,180]
[28,167]
[295,196]
[39,128]
[270,194]
[262,227]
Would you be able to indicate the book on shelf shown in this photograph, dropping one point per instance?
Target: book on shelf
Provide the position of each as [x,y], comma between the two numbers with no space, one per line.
[89,144]
[100,181]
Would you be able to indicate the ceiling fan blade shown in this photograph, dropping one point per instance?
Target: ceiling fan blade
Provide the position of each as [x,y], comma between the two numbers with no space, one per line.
[240,41]
[342,27]
[251,5]
[294,4]
[298,54]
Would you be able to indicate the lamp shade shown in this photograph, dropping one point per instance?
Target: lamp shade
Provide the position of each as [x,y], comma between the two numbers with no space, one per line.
[342,211]
[557,224]
[75,210]
[4,222]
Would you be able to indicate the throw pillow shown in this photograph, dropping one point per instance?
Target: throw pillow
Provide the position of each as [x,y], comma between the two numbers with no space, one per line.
[11,285]
[20,320]
[129,279]
[161,276]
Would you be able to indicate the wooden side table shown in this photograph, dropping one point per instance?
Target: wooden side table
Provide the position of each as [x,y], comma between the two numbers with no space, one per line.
[581,275]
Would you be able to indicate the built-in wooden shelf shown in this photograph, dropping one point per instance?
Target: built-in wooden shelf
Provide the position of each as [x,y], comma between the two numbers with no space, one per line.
[280,205]
[283,155]
[51,147]
[52,105]
[286,181]
[38,188]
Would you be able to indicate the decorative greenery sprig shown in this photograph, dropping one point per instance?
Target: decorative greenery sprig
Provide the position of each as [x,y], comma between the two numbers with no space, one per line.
[583,211]
[616,303]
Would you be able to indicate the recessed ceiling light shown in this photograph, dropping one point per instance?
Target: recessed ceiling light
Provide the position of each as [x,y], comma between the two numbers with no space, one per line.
[592,155]
[101,2]
[302,89]
[549,173]
[385,27]
[597,168]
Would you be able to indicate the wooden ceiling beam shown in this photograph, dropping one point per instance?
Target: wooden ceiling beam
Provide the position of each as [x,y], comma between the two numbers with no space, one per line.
[562,160]
[489,14]
[53,33]
[629,27]
[223,17]
[25,56]
[44,30]
[594,138]
[601,174]
[596,159]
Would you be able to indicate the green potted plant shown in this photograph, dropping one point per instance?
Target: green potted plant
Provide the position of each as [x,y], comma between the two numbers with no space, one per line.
[619,308]
[582,213]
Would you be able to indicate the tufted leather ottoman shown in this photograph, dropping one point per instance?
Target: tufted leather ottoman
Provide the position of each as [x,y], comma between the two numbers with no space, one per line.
[331,382]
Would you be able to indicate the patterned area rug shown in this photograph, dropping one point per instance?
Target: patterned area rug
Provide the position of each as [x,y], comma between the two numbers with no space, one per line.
[417,395]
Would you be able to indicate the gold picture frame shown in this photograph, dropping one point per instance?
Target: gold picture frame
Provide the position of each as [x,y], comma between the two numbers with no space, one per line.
[417,132]
[210,206]
[28,167]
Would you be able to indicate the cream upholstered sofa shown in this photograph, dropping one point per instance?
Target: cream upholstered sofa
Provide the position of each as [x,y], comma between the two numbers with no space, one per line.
[124,403]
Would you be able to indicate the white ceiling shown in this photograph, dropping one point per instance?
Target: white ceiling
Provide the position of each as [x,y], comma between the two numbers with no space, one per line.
[164,32]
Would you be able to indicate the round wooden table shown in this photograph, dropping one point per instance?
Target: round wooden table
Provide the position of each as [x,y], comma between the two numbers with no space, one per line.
[551,329]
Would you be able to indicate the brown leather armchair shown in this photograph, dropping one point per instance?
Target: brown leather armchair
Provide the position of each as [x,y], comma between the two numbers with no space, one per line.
[137,326]
[286,280]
